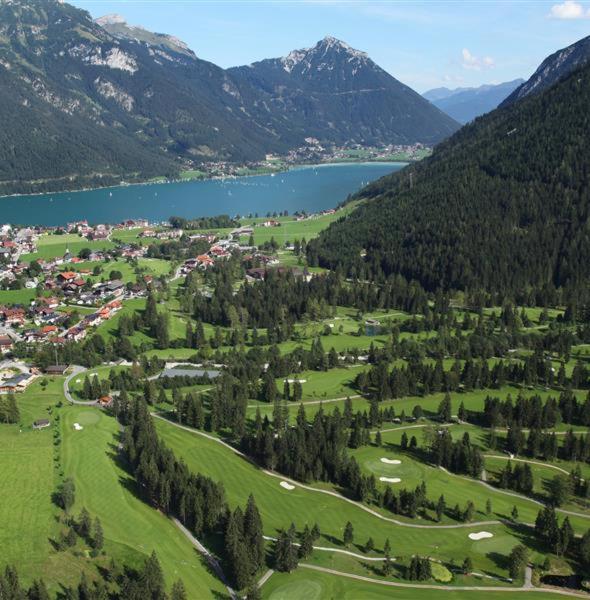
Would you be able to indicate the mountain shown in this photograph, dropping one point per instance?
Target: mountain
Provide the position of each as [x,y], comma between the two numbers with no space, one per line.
[119,28]
[501,206]
[85,103]
[552,69]
[81,106]
[335,93]
[464,104]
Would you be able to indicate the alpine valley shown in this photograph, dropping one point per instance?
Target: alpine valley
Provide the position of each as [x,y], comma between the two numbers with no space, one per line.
[87,103]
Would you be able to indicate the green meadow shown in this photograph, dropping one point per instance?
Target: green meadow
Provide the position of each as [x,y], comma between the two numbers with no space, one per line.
[279,507]
[132,528]
[313,585]
[54,246]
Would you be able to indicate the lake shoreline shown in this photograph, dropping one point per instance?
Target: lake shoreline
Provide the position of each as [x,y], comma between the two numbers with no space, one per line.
[306,188]
[211,178]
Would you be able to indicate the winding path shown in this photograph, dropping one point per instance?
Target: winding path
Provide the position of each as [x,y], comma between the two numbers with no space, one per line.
[311,402]
[76,370]
[445,588]
[269,538]
[471,525]
[213,562]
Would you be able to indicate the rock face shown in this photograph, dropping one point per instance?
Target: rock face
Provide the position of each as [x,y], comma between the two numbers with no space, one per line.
[555,67]
[86,102]
[465,104]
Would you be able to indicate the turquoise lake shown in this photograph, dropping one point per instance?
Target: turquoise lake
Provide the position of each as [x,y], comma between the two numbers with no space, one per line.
[310,188]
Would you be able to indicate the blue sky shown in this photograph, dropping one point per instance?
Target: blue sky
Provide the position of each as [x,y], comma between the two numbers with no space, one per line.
[423,44]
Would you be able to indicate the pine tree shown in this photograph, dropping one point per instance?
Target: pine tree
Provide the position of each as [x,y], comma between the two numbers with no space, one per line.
[66,494]
[514,513]
[488,507]
[152,578]
[444,409]
[467,565]
[348,534]
[285,553]
[98,537]
[387,555]
[404,441]
[178,591]
[517,561]
[253,534]
[38,591]
[369,545]
[441,506]
[306,547]
[84,524]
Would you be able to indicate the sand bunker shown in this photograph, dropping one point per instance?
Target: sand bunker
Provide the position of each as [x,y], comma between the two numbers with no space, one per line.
[390,479]
[287,486]
[294,380]
[78,427]
[482,535]
[391,461]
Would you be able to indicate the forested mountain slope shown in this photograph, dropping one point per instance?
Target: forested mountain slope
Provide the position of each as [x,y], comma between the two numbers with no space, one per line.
[503,205]
[91,103]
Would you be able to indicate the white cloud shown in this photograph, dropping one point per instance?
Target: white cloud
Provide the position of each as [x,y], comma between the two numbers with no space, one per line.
[475,63]
[569,10]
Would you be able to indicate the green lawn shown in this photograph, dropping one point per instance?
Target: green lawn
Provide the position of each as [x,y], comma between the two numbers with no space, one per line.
[279,507]
[132,528]
[456,489]
[27,481]
[290,229]
[53,246]
[23,296]
[312,585]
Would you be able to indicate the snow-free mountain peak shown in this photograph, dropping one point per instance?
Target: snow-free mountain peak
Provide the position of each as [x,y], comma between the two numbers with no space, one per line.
[555,67]
[118,27]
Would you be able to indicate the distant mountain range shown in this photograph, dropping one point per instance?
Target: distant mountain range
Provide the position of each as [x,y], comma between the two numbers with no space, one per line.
[85,103]
[501,206]
[555,67]
[467,103]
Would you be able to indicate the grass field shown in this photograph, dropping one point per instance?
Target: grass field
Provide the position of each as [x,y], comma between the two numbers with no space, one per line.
[312,585]
[53,246]
[129,272]
[27,481]
[290,229]
[23,296]
[132,528]
[456,489]
[279,507]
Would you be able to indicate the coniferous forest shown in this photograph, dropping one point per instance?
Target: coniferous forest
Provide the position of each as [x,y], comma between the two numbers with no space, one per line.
[501,206]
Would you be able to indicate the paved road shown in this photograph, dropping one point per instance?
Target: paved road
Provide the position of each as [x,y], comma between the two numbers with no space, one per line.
[310,402]
[443,588]
[264,578]
[76,370]
[337,550]
[213,562]
[471,525]
[528,577]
